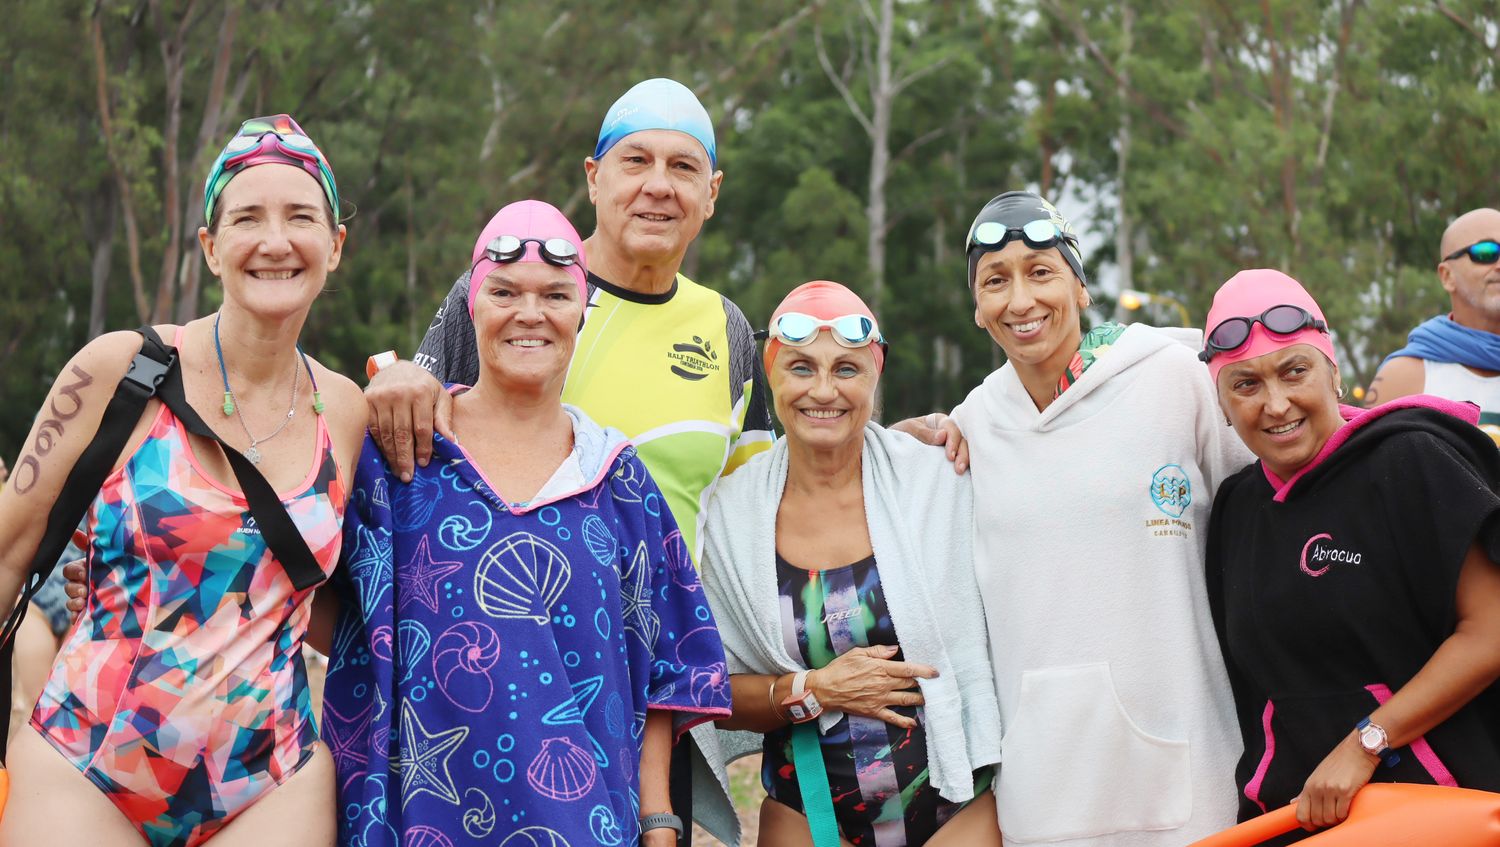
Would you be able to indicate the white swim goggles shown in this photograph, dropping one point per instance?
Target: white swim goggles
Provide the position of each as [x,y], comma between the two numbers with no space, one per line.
[795,329]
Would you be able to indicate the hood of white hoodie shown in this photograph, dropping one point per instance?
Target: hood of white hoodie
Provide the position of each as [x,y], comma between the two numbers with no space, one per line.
[1007,406]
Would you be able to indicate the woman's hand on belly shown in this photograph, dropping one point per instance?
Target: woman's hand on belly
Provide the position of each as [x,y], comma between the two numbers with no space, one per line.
[1326,795]
[864,681]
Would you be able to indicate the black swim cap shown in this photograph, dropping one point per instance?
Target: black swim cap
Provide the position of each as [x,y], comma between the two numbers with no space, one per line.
[1016,209]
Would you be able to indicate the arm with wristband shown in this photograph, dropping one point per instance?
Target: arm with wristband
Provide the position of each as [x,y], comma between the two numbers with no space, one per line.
[407,400]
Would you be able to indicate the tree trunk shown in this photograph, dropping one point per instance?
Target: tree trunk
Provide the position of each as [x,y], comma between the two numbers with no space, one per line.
[1124,255]
[117,168]
[1283,103]
[172,44]
[190,267]
[412,337]
[882,98]
[104,248]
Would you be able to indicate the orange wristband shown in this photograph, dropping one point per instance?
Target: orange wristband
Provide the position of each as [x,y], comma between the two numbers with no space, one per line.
[379,362]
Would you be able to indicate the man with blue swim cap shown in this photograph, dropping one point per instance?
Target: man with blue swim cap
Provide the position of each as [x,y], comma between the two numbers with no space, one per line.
[659,103]
[670,363]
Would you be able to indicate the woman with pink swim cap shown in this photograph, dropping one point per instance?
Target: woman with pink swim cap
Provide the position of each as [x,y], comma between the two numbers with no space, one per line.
[1351,570]
[839,568]
[521,621]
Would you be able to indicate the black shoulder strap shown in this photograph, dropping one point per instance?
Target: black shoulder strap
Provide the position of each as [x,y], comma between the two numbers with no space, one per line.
[147,370]
[153,372]
[276,527]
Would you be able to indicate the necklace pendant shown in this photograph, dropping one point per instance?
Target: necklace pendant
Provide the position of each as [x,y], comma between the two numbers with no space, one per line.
[253,454]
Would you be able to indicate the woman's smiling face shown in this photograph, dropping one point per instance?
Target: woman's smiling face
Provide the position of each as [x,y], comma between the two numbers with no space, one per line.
[526,317]
[824,392]
[1284,405]
[1029,301]
[273,246]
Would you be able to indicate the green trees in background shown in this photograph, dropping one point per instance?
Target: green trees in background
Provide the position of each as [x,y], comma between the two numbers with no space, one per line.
[1188,139]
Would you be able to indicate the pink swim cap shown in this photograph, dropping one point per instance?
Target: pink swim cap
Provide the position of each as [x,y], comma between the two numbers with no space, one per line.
[825,301]
[527,219]
[1249,293]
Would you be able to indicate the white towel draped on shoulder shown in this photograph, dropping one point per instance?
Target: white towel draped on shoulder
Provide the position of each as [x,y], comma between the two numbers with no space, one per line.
[921,520]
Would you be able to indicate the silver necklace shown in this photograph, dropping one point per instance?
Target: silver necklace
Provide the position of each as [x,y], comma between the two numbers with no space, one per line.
[253,451]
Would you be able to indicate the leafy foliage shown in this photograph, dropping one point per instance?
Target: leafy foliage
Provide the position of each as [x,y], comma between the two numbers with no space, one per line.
[1332,139]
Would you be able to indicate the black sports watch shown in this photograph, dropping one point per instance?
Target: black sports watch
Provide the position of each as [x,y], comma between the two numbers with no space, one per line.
[663,820]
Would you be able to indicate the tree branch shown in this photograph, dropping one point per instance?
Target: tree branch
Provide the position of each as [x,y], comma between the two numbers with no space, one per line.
[1157,113]
[1467,27]
[900,85]
[920,141]
[1346,29]
[776,34]
[839,84]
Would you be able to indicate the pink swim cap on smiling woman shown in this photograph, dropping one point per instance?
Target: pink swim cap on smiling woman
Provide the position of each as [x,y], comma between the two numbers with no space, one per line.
[825,301]
[527,219]
[1248,294]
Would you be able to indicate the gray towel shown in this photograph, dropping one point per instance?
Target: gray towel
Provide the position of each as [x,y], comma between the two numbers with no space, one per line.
[921,523]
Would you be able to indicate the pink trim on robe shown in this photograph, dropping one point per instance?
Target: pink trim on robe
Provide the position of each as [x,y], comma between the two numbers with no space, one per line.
[1355,418]
[1252,788]
[1419,748]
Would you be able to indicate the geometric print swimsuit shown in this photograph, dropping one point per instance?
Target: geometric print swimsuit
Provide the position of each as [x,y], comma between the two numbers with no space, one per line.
[181,692]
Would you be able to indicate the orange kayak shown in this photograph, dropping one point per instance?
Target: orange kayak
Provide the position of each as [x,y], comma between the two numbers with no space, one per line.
[1387,815]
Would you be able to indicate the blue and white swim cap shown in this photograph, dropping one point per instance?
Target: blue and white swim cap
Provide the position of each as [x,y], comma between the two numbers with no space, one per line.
[659,103]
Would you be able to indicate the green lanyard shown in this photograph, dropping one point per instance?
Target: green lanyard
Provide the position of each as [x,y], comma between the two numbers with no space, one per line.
[812,780]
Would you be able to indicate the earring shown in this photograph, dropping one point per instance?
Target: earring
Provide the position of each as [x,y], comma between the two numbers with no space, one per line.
[1342,391]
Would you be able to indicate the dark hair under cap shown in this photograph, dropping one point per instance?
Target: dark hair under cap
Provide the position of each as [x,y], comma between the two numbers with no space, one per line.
[1015,209]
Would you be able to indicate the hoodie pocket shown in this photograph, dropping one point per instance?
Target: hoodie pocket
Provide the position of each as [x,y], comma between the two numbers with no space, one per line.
[1076,766]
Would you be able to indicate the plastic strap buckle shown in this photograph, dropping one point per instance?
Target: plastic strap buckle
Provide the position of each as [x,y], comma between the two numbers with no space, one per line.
[148,373]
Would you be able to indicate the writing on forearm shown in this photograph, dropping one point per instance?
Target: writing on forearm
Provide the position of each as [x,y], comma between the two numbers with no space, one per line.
[29,469]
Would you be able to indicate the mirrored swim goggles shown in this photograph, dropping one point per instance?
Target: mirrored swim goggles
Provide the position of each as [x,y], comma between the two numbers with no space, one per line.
[1234,333]
[795,329]
[1038,234]
[504,249]
[1485,252]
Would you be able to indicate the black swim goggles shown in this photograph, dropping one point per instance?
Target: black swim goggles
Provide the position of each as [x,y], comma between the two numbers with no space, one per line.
[1485,252]
[1233,333]
[504,249]
[1038,234]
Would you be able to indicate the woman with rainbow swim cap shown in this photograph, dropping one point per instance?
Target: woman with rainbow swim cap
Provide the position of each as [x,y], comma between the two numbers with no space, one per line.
[1351,570]
[839,567]
[1094,459]
[178,711]
[522,625]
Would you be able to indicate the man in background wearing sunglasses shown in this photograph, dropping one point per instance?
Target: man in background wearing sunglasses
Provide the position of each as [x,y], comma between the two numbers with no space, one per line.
[1457,355]
[670,363]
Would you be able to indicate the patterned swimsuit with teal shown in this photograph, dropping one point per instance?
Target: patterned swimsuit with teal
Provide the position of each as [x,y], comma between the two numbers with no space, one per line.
[877,772]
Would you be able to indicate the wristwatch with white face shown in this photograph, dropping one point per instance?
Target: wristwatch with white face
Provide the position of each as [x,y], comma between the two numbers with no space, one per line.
[801,704]
[1373,738]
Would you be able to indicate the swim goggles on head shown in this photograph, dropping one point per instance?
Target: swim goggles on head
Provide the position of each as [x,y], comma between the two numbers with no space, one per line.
[250,142]
[1038,234]
[504,249]
[798,330]
[1233,333]
[1485,252]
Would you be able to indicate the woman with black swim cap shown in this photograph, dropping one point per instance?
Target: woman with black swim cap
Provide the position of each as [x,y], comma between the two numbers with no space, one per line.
[1095,457]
